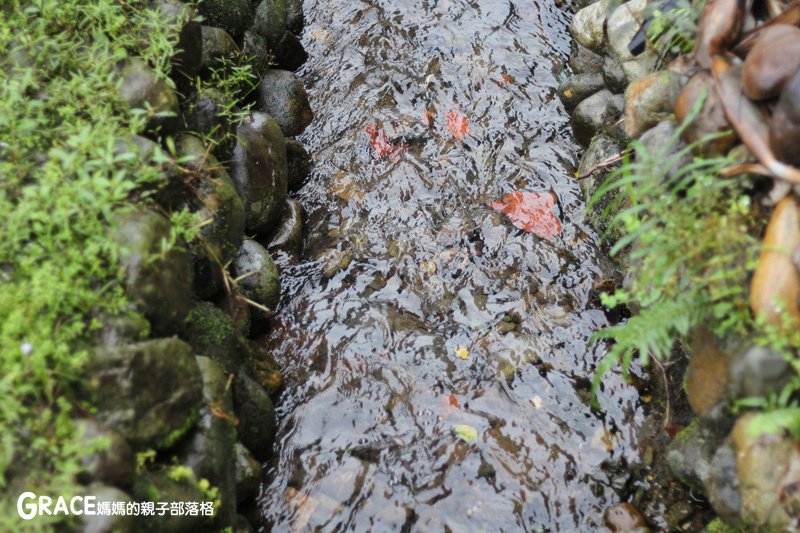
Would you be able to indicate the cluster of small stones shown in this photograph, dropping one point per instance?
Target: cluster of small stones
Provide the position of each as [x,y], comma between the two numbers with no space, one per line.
[751,479]
[182,388]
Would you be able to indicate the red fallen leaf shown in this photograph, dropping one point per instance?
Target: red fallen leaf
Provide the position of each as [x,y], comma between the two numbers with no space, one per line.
[457,123]
[380,143]
[448,405]
[531,212]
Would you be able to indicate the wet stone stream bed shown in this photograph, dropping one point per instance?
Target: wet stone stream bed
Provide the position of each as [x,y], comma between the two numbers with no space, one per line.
[416,309]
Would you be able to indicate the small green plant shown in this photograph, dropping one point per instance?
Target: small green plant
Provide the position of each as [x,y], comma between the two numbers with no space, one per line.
[672,31]
[687,240]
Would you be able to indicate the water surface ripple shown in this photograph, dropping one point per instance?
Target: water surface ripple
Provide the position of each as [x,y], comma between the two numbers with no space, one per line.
[404,263]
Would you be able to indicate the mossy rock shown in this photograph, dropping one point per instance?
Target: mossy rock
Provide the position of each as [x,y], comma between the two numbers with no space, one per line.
[148,392]
[257,424]
[209,331]
[169,485]
[209,449]
[231,15]
[263,367]
[211,193]
[141,88]
[158,280]
[260,280]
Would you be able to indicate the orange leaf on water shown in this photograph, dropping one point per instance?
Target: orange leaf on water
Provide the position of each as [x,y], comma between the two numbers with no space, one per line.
[531,212]
[380,143]
[457,123]
[448,405]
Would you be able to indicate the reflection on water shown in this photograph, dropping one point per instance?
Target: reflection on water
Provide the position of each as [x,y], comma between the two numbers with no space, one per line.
[416,307]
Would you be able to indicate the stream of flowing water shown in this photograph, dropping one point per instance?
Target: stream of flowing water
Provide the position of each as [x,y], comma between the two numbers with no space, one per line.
[416,311]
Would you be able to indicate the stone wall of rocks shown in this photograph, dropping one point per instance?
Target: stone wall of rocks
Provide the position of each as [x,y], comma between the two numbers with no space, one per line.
[751,479]
[183,394]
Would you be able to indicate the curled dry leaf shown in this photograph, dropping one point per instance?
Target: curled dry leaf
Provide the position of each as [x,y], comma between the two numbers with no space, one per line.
[719,27]
[531,212]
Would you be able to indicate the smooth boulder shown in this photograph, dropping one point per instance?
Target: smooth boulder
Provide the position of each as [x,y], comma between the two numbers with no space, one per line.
[281,94]
[260,171]
[257,424]
[149,392]
[259,278]
[158,281]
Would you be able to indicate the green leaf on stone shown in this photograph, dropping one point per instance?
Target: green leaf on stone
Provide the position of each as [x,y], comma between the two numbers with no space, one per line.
[776,422]
[465,432]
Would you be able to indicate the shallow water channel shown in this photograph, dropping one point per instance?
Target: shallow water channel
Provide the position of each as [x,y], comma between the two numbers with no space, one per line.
[417,308]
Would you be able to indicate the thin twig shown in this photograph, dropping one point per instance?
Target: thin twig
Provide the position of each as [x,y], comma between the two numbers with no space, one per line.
[616,158]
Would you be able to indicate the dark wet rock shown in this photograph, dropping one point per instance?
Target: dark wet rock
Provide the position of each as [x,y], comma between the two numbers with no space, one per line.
[623,517]
[690,452]
[768,467]
[247,473]
[256,51]
[776,282]
[148,392]
[186,62]
[706,379]
[271,19]
[288,236]
[723,484]
[649,100]
[141,88]
[262,283]
[214,197]
[600,149]
[757,371]
[289,52]
[260,171]
[218,48]
[274,20]
[174,484]
[613,75]
[204,115]
[578,87]
[662,141]
[587,25]
[299,161]
[582,60]
[231,15]
[784,129]
[209,449]
[263,367]
[771,63]
[596,113]
[621,25]
[107,523]
[711,118]
[209,331]
[295,19]
[108,458]
[256,416]
[159,282]
[282,95]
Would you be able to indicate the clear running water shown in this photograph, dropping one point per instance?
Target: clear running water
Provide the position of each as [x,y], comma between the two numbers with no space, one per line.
[405,264]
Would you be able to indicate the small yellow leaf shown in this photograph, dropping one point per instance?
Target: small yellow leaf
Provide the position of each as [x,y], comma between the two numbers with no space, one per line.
[465,432]
[462,352]
[569,93]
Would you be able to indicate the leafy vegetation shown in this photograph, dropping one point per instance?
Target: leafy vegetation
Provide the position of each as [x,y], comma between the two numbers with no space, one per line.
[64,179]
[672,30]
[687,237]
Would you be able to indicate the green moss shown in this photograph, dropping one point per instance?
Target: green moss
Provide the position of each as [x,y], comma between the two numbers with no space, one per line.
[176,435]
[718,526]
